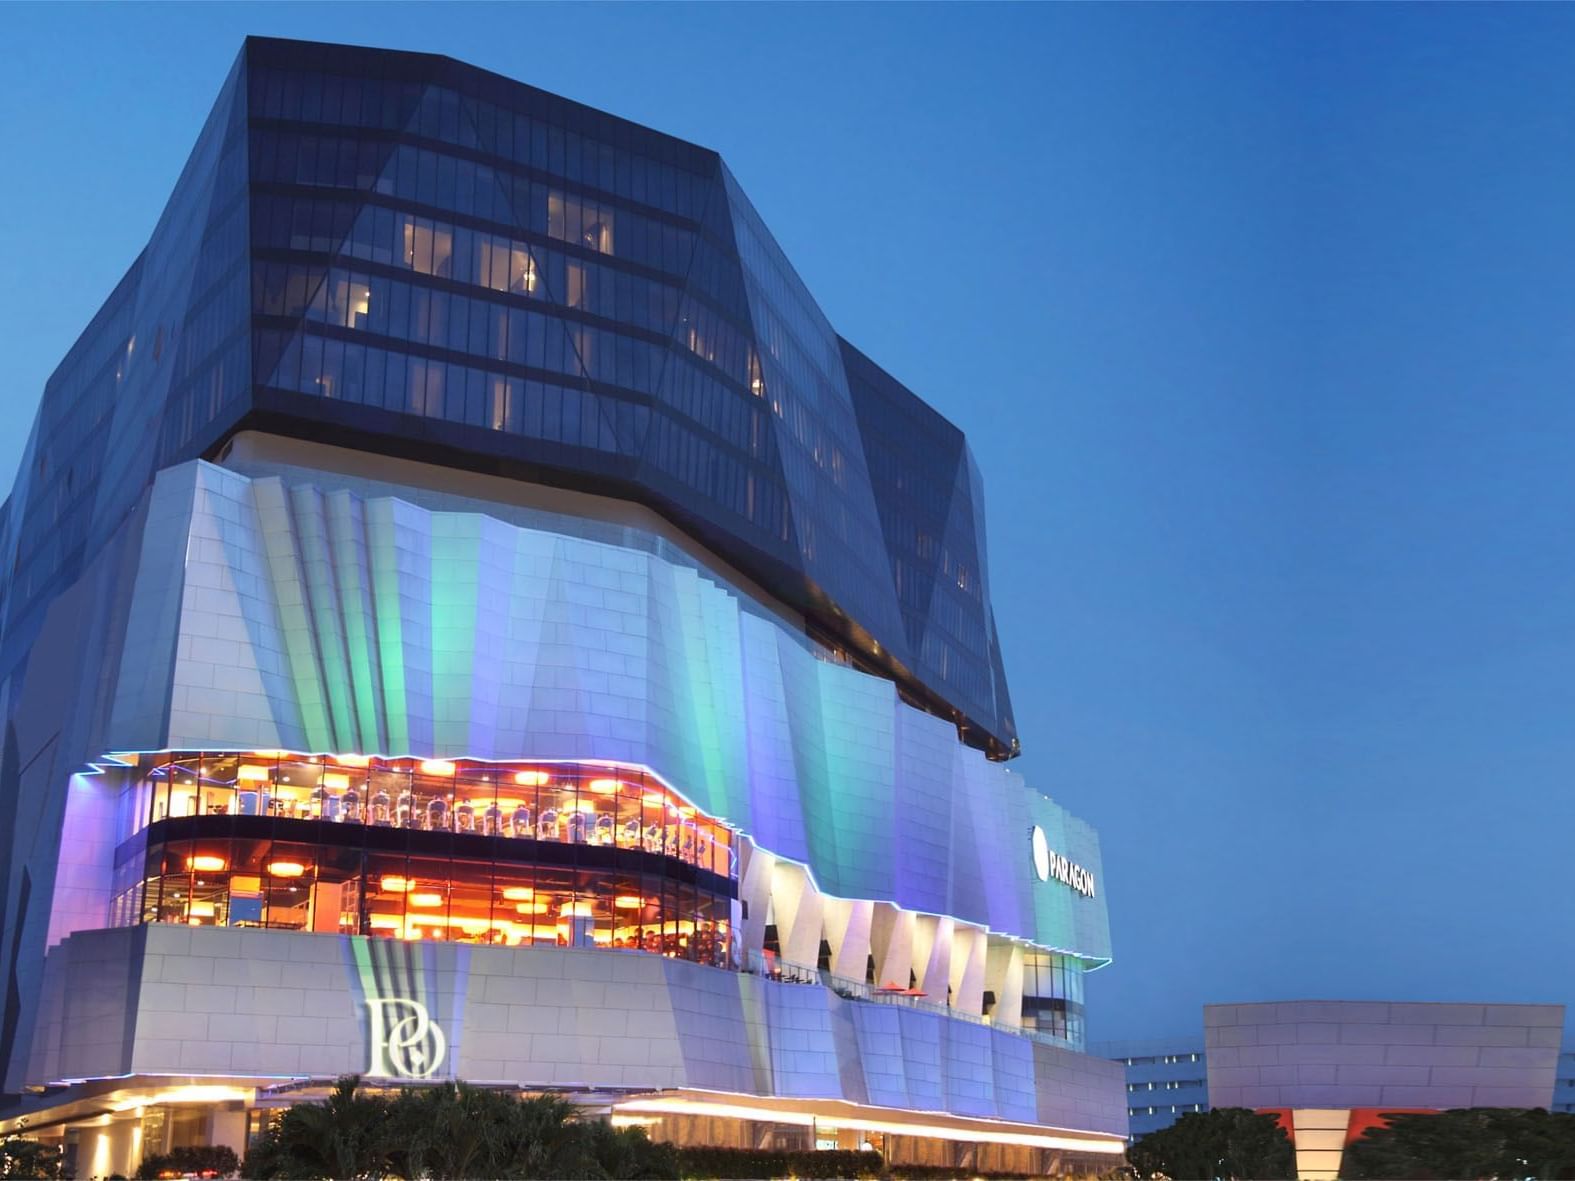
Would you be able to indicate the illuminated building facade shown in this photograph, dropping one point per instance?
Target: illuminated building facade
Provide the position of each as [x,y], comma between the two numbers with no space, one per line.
[468,615]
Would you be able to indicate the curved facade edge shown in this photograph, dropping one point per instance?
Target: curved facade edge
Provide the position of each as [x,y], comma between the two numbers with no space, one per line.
[266,616]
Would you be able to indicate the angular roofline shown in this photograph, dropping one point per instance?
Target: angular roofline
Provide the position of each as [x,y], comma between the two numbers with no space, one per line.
[298,54]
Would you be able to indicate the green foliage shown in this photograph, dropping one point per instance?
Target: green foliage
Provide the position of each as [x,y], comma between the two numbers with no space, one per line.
[28,1159]
[214,1160]
[348,1135]
[1227,1142]
[1468,1142]
[450,1132]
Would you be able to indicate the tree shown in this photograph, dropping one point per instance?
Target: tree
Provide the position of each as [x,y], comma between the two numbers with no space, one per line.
[1226,1142]
[345,1137]
[452,1132]
[1466,1142]
[28,1159]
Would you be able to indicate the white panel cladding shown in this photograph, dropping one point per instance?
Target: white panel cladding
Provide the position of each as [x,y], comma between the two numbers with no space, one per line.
[325,622]
[256,1003]
[85,871]
[153,629]
[1345,1054]
[84,1015]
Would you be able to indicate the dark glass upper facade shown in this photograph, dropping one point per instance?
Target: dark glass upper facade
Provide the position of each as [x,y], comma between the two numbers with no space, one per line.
[404,254]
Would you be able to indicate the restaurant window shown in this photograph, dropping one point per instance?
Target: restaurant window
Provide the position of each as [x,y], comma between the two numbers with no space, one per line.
[447,850]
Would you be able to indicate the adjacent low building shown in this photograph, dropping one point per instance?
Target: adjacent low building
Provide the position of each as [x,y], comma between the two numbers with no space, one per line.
[1331,1069]
[1166,1079]
[468,614]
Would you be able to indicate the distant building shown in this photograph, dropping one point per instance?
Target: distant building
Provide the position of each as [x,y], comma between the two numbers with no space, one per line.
[1166,1078]
[1331,1069]
[1564,1081]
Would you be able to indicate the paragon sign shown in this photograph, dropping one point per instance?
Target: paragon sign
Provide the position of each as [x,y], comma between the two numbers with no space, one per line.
[1050,864]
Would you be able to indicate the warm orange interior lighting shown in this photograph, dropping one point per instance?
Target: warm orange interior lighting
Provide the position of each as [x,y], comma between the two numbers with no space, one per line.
[207,862]
[270,754]
[286,869]
[604,787]
[203,910]
[653,797]
[533,908]
[395,884]
[426,900]
[385,922]
[353,760]
[583,806]
[336,780]
[582,910]
[252,773]
[628,902]
[437,767]
[531,778]
[518,893]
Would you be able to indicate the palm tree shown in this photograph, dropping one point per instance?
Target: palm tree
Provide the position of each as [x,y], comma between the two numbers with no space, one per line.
[345,1138]
[453,1132]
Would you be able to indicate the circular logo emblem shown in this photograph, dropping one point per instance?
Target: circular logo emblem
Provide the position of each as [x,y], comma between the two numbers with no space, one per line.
[1041,854]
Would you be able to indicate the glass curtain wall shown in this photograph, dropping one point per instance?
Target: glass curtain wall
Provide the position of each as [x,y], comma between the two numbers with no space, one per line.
[512,854]
[1053,995]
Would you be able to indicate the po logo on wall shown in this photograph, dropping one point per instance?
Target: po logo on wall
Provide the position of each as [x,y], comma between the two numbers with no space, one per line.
[405,1041]
[1050,864]
[398,983]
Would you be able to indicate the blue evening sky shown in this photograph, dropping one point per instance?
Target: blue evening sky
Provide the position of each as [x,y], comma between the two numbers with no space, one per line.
[1261,321]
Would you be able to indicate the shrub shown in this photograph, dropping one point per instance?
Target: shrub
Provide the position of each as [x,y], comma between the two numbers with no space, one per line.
[23,1158]
[204,1160]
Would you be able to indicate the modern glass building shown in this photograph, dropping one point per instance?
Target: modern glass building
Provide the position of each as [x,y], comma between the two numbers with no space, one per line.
[467,614]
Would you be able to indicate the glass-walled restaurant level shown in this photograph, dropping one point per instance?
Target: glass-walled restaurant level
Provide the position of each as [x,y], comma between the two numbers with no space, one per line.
[492,853]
